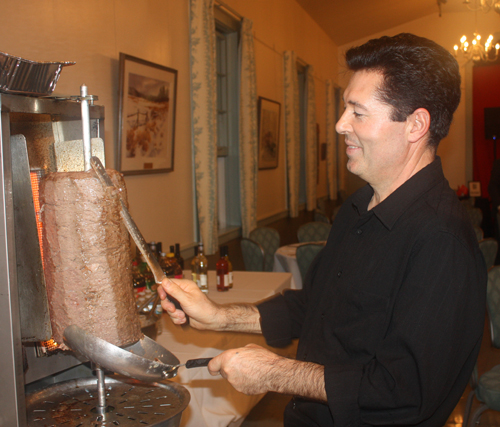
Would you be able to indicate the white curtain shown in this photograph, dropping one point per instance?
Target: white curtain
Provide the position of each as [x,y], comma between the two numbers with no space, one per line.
[331,153]
[204,119]
[248,129]
[292,130]
[311,141]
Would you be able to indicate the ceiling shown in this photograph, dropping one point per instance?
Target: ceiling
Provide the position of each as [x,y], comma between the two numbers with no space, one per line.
[348,20]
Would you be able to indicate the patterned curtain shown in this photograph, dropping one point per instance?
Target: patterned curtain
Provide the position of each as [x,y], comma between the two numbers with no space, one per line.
[248,129]
[204,119]
[292,130]
[311,141]
[331,153]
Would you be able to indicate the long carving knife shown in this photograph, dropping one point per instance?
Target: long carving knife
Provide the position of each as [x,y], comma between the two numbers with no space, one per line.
[132,227]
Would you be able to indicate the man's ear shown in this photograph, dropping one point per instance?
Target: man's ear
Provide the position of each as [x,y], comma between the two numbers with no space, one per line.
[419,122]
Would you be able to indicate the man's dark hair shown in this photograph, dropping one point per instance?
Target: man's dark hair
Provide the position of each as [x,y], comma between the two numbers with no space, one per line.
[418,73]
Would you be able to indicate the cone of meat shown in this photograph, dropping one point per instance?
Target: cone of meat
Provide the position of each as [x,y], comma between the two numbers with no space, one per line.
[86,254]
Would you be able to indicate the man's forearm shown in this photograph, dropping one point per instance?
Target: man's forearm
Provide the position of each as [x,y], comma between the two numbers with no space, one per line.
[298,378]
[239,317]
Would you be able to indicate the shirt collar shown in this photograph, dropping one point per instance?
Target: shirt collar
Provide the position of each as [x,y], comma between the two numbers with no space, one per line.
[390,209]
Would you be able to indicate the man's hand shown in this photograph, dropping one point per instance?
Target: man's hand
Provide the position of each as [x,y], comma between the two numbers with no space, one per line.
[255,370]
[201,311]
[204,314]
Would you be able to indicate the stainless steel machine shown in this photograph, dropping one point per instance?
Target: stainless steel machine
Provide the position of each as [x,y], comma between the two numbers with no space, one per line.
[37,379]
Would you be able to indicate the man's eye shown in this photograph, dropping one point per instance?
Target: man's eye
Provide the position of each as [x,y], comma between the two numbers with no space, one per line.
[356,114]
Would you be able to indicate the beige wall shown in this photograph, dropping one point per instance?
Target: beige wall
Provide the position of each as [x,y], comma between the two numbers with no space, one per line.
[93,33]
[281,25]
[446,31]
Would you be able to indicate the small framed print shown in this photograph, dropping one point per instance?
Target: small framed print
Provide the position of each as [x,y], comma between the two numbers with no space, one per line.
[147,117]
[474,189]
[269,133]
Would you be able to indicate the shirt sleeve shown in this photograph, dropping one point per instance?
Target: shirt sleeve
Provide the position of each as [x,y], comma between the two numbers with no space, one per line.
[434,332]
[282,316]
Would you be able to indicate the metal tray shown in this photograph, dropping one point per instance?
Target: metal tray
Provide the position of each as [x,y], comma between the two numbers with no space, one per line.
[130,403]
[22,76]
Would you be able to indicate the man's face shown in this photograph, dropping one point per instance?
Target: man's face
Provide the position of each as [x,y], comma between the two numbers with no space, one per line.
[376,146]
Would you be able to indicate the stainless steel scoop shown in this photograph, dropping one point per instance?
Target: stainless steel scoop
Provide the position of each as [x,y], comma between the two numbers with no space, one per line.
[146,360]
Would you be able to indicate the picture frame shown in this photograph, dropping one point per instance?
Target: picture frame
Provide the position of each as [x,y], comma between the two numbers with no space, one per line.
[269,133]
[146,129]
[474,189]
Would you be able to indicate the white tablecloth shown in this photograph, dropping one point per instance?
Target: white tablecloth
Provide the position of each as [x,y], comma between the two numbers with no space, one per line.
[213,401]
[285,259]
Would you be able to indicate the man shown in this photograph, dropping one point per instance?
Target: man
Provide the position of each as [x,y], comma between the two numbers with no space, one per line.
[392,311]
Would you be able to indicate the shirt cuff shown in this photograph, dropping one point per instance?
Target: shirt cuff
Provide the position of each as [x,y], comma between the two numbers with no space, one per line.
[275,321]
[342,383]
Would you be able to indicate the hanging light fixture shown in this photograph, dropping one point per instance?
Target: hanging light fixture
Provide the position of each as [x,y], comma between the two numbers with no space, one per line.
[475,50]
[483,5]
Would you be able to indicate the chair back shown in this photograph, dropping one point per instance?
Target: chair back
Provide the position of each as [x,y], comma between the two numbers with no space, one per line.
[493,304]
[479,232]
[321,217]
[475,215]
[313,232]
[305,255]
[253,255]
[269,239]
[489,248]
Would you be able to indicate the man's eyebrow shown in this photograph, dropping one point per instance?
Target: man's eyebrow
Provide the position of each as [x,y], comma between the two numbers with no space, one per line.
[356,104]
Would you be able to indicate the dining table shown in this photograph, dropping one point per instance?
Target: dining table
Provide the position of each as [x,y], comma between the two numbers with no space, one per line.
[214,402]
[285,260]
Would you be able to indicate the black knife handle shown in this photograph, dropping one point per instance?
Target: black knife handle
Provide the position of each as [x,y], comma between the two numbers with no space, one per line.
[198,363]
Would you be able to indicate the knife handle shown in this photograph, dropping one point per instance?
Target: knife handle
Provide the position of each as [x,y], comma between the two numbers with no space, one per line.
[198,363]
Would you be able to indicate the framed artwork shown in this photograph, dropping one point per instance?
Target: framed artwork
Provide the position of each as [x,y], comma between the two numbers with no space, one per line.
[146,131]
[474,188]
[269,133]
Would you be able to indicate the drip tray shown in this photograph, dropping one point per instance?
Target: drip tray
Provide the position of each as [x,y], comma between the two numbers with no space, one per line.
[128,403]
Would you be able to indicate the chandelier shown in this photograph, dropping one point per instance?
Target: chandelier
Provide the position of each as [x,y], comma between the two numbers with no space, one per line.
[483,5]
[475,50]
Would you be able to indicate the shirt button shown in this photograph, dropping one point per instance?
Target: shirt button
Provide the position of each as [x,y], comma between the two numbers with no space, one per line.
[339,273]
[359,231]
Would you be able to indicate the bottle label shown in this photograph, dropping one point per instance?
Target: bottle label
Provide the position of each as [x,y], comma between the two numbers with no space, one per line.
[203,281]
[230,279]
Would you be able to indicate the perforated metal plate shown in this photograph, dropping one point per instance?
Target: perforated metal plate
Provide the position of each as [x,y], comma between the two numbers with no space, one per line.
[128,403]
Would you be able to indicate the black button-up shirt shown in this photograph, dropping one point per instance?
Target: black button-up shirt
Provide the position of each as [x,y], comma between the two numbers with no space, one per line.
[393,307]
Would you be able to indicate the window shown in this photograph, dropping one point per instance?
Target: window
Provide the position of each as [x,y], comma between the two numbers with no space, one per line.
[227,121]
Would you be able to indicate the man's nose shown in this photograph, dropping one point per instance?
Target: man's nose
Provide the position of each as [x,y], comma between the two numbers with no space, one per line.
[342,125]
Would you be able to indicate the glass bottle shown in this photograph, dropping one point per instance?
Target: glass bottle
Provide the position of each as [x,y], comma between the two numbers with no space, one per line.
[229,266]
[193,265]
[222,272]
[201,269]
[178,255]
[176,268]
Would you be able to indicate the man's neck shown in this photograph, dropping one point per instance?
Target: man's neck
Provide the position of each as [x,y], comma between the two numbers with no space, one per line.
[384,189]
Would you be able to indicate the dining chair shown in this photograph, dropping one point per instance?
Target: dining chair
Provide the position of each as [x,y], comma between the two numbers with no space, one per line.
[489,248]
[321,217]
[486,388]
[305,255]
[269,239]
[479,232]
[313,232]
[475,215]
[253,255]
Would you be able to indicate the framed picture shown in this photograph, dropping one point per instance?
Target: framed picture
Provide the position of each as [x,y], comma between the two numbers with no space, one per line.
[146,131]
[269,133]
[474,189]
